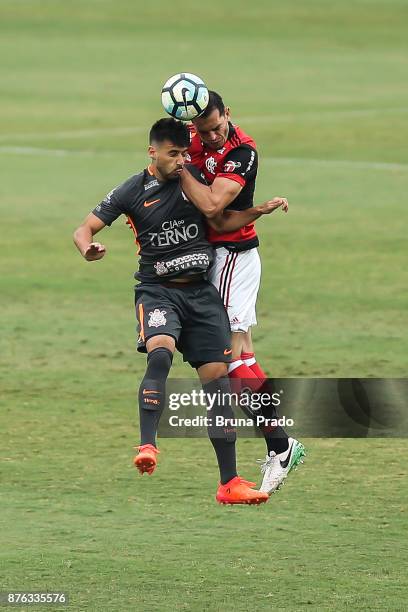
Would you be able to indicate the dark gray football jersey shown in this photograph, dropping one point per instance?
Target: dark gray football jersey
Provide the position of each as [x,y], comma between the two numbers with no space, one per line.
[170,232]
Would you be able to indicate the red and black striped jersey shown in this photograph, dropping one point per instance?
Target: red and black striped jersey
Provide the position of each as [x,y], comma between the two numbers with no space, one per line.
[237,160]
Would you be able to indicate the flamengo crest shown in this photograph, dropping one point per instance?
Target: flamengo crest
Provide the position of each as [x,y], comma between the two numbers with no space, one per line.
[211,164]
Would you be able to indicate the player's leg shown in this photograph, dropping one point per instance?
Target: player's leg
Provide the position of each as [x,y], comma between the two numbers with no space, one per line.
[240,374]
[159,327]
[232,489]
[206,345]
[275,437]
[239,288]
[248,355]
[152,392]
[283,453]
[236,276]
[152,388]
[214,380]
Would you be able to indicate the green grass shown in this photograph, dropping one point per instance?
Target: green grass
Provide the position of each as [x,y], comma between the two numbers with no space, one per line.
[322,88]
[330,540]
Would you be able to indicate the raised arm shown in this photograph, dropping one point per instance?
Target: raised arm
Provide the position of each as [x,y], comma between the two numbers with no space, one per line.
[209,199]
[232,220]
[238,167]
[83,236]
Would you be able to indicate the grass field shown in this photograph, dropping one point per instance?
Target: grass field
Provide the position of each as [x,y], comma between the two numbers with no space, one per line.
[322,87]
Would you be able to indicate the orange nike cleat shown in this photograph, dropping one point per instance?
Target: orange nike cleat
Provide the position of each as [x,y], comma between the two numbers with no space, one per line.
[146,460]
[240,491]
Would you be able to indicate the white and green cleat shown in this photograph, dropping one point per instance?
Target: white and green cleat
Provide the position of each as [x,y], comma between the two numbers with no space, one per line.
[275,468]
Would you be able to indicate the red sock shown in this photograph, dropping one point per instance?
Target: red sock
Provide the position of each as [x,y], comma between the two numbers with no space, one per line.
[250,361]
[275,437]
[238,370]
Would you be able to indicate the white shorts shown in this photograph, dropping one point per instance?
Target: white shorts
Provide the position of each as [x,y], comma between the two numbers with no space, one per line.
[237,277]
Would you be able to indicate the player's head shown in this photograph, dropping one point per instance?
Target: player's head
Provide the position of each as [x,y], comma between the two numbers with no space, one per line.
[169,140]
[212,126]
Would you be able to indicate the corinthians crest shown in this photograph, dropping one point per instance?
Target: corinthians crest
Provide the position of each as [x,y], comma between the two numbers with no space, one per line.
[157,318]
[160,268]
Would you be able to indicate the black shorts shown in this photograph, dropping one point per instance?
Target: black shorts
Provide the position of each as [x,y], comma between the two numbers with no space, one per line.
[192,313]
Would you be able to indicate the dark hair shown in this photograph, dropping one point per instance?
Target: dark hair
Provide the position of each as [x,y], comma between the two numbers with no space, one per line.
[215,102]
[169,129]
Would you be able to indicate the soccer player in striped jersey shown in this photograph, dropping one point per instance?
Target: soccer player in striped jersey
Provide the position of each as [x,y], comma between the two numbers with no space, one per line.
[228,159]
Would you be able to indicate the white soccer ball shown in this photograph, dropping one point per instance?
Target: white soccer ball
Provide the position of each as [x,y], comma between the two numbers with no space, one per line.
[184,96]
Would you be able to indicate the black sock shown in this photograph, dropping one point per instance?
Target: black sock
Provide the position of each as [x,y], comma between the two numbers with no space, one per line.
[152,393]
[222,438]
[276,440]
[276,437]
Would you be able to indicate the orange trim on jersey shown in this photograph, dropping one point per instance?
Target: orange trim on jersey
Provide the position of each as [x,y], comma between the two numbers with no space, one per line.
[132,225]
[234,177]
[141,321]
[149,169]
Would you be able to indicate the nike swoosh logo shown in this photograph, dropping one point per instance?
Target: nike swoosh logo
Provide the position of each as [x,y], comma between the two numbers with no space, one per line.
[146,391]
[227,351]
[147,204]
[285,462]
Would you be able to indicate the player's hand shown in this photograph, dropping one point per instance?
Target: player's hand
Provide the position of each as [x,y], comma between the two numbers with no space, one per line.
[94,251]
[268,207]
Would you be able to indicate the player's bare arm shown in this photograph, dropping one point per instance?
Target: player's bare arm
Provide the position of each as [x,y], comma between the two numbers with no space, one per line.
[83,238]
[232,220]
[211,199]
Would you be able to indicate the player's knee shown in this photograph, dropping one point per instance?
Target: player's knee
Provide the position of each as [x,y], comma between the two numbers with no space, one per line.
[160,341]
[209,372]
[152,388]
[159,362]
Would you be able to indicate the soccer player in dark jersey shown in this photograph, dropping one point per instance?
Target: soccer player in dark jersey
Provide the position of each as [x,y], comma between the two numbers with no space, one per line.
[176,306]
[228,158]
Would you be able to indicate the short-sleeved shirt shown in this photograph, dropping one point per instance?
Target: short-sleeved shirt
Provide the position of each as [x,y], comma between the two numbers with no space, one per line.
[237,160]
[169,230]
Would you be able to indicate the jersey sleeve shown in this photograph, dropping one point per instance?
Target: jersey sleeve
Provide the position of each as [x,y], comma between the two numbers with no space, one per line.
[194,171]
[240,165]
[111,207]
[195,150]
